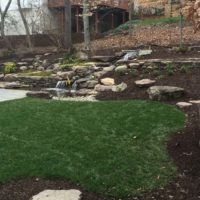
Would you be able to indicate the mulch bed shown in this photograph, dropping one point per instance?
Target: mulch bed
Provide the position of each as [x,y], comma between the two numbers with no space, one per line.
[184,147]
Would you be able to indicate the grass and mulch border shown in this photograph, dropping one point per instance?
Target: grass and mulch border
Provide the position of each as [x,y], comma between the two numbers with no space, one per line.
[23,114]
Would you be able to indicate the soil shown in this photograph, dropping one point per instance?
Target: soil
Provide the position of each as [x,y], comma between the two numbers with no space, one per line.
[184,147]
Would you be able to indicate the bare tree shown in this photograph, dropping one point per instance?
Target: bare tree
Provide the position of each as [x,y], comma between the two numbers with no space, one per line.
[67,32]
[28,35]
[86,14]
[131,15]
[3,14]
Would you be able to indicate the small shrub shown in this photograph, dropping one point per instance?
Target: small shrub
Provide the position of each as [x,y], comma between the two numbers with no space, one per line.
[170,69]
[185,68]
[134,72]
[160,77]
[70,59]
[9,67]
[156,73]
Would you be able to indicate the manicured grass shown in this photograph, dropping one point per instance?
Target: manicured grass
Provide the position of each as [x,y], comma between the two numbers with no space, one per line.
[111,148]
[146,22]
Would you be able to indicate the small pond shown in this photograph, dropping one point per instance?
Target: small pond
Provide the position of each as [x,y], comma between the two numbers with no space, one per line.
[6,95]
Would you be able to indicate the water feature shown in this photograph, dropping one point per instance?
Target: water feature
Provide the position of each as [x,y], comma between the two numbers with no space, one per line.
[61,85]
[74,88]
[65,87]
[7,94]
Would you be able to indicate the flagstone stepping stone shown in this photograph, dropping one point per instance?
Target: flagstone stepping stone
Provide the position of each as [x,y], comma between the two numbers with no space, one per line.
[145,82]
[165,92]
[183,104]
[58,195]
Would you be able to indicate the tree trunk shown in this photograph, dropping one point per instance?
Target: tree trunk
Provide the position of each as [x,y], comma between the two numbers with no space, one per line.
[87,43]
[68,28]
[131,16]
[2,24]
[28,35]
[131,9]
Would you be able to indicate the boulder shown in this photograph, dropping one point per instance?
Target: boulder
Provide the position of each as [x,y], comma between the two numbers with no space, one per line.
[15,85]
[31,67]
[183,104]
[66,75]
[85,92]
[22,63]
[58,195]
[81,55]
[99,74]
[145,52]
[40,68]
[165,92]
[119,88]
[81,70]
[109,69]
[1,77]
[134,65]
[91,84]
[23,68]
[39,94]
[27,60]
[82,80]
[10,77]
[103,88]
[107,81]
[121,68]
[145,83]
[103,58]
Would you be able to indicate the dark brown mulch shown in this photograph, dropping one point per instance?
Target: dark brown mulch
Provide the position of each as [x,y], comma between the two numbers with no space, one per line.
[184,147]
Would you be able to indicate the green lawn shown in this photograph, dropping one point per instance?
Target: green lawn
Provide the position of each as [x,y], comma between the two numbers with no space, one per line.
[111,148]
[145,22]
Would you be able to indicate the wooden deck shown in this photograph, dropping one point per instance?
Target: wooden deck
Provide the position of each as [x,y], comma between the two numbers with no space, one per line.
[121,4]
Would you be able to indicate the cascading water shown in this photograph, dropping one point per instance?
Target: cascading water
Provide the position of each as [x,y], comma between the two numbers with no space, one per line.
[74,88]
[61,85]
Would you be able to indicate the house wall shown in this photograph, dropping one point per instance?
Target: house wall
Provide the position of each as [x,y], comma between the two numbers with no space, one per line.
[40,20]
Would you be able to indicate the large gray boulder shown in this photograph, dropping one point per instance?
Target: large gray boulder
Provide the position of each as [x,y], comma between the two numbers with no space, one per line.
[165,92]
